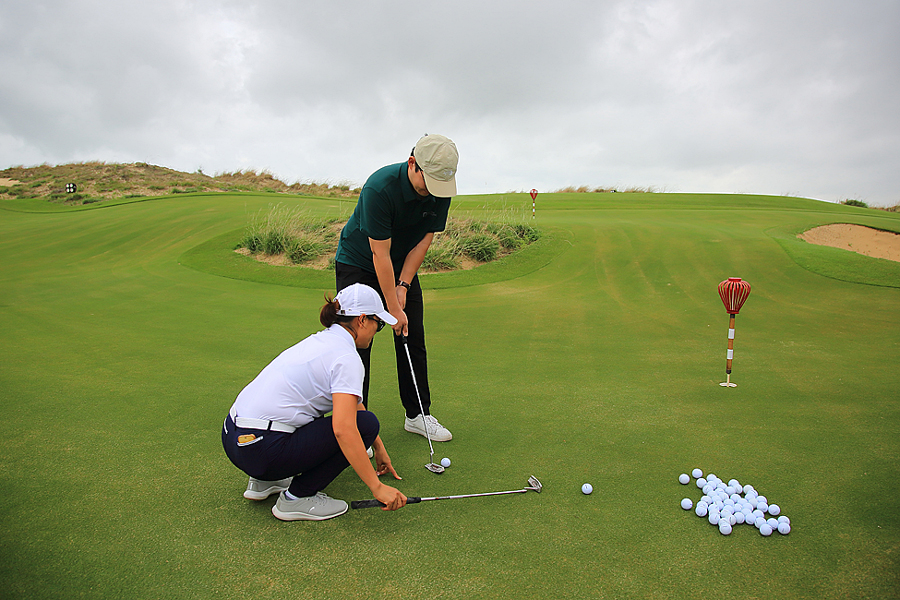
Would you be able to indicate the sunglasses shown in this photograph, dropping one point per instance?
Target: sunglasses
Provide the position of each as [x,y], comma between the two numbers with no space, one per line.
[381,323]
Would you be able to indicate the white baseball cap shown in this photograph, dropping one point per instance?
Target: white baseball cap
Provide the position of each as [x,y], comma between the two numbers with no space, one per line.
[359,299]
[438,158]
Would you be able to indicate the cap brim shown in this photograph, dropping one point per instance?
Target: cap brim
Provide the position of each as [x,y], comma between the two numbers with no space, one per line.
[440,189]
[387,317]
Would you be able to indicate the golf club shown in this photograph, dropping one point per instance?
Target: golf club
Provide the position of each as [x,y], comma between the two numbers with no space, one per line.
[431,466]
[533,486]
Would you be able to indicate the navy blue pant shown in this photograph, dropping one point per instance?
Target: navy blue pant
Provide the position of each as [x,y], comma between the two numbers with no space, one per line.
[346,275]
[311,454]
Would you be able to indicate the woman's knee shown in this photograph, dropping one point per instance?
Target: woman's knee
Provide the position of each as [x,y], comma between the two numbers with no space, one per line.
[368,426]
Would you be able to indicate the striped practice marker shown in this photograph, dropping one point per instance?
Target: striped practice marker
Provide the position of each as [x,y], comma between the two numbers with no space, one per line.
[734,293]
[534,194]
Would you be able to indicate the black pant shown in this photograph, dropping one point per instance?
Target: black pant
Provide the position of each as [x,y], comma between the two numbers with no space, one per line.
[346,275]
[311,455]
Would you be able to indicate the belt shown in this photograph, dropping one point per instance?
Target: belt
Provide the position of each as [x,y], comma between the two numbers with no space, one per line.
[248,423]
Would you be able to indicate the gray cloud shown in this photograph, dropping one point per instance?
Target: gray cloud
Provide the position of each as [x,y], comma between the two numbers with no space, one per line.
[697,96]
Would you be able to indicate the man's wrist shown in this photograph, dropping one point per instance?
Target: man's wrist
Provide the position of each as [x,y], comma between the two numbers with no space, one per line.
[403,284]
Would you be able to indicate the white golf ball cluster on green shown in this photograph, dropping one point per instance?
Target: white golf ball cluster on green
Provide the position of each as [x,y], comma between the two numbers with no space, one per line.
[728,504]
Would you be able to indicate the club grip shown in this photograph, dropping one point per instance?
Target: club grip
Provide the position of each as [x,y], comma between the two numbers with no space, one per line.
[365,504]
[374,503]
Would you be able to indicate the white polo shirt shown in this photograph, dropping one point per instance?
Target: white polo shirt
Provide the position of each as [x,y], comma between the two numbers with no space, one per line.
[296,387]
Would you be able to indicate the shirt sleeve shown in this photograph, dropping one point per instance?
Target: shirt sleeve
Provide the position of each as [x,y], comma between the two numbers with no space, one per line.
[442,208]
[347,374]
[375,216]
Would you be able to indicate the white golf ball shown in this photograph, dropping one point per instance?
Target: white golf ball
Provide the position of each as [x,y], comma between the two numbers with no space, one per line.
[765,530]
[724,527]
[739,518]
[684,479]
[772,522]
[784,528]
[701,482]
[697,473]
[760,523]
[445,462]
[587,488]
[702,510]
[714,518]
[686,504]
[774,510]
[784,519]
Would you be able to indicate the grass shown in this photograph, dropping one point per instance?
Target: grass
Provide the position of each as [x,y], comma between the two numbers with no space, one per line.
[593,355]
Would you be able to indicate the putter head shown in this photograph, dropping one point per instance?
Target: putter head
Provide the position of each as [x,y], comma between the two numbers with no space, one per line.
[534,484]
[436,468]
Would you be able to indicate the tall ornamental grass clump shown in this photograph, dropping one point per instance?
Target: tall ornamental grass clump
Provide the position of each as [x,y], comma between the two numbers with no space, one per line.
[291,232]
[478,241]
[303,238]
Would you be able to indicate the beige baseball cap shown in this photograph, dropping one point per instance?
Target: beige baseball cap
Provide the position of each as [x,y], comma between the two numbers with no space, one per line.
[359,299]
[437,156]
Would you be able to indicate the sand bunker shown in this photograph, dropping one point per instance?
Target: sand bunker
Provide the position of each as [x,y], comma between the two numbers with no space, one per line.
[856,238]
[8,182]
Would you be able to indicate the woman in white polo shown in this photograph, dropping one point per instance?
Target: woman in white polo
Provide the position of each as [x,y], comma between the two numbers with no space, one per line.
[277,431]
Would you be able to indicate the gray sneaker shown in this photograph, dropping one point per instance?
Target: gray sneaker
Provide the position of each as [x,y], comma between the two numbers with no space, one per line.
[257,489]
[436,431]
[311,508]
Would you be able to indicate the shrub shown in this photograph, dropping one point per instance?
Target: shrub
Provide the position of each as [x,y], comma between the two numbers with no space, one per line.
[440,258]
[289,232]
[480,247]
[859,203]
[301,238]
[300,250]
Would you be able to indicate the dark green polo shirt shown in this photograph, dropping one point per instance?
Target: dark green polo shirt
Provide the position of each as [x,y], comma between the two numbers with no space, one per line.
[389,207]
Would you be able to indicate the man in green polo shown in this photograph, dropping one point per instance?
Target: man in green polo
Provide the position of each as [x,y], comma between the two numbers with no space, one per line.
[400,208]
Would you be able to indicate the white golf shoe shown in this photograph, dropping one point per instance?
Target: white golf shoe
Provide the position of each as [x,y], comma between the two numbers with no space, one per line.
[436,431]
[311,508]
[257,489]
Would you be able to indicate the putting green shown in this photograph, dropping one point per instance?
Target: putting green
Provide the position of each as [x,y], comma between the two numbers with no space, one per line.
[598,361]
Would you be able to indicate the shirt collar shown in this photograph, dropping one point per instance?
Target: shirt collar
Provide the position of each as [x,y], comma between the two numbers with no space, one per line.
[409,192]
[343,334]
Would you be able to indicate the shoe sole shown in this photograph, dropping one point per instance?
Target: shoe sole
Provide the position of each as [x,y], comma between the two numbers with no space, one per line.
[264,494]
[422,433]
[303,516]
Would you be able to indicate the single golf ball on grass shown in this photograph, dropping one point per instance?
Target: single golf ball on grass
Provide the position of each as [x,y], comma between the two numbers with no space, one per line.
[445,462]
[684,479]
[687,503]
[587,489]
[697,473]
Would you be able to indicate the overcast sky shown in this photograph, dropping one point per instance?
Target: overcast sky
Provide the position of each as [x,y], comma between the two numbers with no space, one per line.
[766,96]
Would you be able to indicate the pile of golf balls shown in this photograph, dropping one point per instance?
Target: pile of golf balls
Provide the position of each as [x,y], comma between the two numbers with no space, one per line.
[728,504]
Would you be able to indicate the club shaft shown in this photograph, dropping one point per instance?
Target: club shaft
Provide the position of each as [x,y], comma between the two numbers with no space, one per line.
[412,372]
[416,499]
[473,495]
